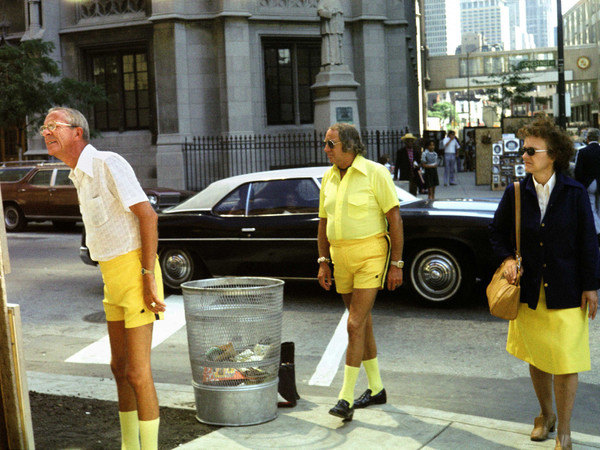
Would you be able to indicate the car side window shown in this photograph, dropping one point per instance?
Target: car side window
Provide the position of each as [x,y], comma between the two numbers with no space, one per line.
[233,204]
[62,178]
[296,196]
[13,174]
[42,178]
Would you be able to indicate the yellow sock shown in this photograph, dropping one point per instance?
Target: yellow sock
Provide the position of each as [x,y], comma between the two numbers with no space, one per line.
[350,376]
[149,434]
[373,375]
[130,430]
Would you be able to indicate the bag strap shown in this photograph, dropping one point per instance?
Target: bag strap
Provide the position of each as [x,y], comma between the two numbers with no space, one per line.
[518,227]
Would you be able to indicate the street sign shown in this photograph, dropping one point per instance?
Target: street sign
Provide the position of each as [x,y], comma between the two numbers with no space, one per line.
[532,64]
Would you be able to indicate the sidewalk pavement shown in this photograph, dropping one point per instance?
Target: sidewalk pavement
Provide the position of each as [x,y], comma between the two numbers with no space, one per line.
[309,425]
[465,187]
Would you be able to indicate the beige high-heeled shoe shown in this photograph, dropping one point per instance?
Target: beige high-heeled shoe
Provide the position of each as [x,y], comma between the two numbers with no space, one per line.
[563,442]
[542,426]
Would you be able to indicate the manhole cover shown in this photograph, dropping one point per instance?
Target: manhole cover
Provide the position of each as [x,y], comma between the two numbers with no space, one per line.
[97,317]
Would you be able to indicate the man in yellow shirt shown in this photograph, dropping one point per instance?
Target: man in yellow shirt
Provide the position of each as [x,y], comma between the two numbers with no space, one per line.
[360,231]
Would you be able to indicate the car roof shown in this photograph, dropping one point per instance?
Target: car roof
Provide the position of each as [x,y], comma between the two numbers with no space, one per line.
[215,191]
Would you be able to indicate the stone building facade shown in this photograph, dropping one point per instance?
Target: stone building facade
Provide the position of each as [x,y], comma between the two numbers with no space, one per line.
[175,69]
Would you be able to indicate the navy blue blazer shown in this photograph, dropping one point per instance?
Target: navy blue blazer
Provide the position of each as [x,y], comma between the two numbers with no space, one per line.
[587,168]
[562,249]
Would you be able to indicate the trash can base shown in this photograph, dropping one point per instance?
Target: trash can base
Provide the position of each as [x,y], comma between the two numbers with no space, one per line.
[244,405]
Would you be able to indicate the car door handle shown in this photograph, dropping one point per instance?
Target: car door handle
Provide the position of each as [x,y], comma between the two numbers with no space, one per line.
[248,230]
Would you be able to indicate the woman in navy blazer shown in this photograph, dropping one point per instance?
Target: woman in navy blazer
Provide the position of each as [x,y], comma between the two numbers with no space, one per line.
[560,274]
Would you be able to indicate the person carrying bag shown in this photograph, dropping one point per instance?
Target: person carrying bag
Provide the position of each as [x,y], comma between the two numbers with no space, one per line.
[504,297]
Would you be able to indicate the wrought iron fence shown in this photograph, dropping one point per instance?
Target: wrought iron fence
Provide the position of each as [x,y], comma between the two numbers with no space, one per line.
[210,158]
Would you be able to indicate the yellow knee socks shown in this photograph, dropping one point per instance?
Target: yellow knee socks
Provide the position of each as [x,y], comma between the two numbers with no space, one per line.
[373,375]
[350,376]
[130,431]
[149,434]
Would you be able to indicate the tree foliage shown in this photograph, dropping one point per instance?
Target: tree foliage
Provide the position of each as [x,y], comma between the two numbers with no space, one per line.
[443,110]
[30,84]
[514,89]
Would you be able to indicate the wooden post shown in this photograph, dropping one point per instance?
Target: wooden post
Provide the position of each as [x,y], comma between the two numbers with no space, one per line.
[17,430]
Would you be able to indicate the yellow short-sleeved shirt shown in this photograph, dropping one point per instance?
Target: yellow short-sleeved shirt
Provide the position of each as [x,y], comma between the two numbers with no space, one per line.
[355,206]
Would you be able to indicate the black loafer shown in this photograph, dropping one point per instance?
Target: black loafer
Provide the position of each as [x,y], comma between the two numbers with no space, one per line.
[366,399]
[343,410]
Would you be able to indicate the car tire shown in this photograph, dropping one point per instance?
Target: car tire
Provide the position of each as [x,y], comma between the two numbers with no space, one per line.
[178,266]
[14,219]
[442,275]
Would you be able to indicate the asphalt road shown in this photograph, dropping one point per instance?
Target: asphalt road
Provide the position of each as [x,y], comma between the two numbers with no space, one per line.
[448,359]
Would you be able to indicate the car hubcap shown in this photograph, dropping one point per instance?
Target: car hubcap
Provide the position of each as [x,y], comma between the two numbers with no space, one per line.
[436,275]
[177,266]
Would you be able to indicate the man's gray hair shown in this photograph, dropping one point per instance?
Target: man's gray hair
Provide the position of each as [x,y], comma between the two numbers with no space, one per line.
[74,118]
[350,138]
[593,134]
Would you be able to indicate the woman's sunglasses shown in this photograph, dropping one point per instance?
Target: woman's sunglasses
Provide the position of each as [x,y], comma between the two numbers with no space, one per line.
[530,151]
[331,143]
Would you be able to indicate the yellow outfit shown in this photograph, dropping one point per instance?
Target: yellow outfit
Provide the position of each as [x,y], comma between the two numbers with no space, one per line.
[124,290]
[555,341]
[355,208]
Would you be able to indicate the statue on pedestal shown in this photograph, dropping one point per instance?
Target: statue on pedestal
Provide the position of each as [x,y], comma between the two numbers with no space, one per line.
[332,31]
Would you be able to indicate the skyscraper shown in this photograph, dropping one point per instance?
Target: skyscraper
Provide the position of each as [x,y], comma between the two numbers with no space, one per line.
[541,21]
[490,18]
[442,22]
[520,38]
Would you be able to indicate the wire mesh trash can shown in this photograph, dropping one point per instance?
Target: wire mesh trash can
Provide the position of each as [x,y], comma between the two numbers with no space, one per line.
[234,340]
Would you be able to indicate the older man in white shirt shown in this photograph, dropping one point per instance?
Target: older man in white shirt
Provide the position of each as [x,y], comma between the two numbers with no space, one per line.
[122,235]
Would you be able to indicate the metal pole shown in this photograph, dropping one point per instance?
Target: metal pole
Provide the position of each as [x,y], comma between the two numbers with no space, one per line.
[561,120]
[468,90]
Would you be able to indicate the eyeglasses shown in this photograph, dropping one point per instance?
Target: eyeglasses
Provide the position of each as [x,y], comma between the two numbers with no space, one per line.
[530,151]
[331,143]
[53,125]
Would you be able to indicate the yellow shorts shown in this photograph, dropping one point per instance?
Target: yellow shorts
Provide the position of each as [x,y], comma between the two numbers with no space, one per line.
[360,263]
[124,290]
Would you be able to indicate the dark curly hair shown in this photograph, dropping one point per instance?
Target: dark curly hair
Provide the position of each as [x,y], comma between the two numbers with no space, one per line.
[350,138]
[559,143]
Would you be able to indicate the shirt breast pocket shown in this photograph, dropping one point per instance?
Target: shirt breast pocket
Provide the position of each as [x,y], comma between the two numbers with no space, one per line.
[95,212]
[358,206]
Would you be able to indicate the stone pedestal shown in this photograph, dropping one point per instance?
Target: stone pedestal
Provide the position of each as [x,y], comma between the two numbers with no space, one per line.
[335,97]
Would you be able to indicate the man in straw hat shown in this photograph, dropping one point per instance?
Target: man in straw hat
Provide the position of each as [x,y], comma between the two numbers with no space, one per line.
[408,162]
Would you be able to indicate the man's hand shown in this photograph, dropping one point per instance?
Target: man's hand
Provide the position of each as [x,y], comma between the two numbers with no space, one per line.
[153,303]
[325,276]
[394,278]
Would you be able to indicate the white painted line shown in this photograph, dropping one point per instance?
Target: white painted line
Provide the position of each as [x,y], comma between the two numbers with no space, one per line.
[330,361]
[99,351]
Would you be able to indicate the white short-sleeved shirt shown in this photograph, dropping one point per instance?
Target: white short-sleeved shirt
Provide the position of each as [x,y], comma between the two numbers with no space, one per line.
[453,146]
[107,187]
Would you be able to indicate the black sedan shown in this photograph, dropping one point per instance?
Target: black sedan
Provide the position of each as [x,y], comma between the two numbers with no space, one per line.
[265,224]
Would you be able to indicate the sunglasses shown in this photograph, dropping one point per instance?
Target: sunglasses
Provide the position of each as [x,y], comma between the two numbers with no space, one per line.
[530,151]
[331,143]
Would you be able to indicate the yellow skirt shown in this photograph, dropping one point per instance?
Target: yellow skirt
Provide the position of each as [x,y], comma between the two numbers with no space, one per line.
[555,341]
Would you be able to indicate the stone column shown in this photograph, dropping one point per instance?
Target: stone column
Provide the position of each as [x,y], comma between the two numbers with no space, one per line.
[172,101]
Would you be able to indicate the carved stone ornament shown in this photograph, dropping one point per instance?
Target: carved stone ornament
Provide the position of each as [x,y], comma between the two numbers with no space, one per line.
[99,8]
[288,3]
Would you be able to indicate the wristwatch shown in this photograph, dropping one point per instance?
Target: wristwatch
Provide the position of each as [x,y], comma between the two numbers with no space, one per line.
[147,272]
[323,259]
[398,264]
